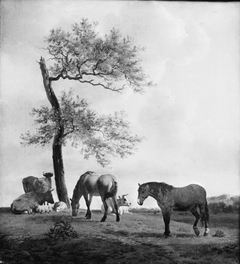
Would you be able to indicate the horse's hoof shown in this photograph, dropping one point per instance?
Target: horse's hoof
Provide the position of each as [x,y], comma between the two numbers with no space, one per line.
[102,220]
[166,235]
[197,232]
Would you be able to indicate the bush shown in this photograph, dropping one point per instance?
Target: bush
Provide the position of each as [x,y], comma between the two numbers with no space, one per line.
[219,233]
[62,230]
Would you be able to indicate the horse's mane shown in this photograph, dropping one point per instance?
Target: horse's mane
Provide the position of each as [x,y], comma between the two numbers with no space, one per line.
[76,189]
[163,186]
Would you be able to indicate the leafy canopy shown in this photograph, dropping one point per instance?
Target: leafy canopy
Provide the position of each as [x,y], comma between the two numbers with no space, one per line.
[111,61]
[100,136]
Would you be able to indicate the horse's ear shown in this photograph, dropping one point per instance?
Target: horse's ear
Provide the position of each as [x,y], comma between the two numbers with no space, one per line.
[139,184]
[51,190]
[70,199]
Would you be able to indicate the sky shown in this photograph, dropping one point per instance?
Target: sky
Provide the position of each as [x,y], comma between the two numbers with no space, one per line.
[189,119]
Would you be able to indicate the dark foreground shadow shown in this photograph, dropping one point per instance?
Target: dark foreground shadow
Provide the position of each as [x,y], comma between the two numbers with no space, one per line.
[55,217]
[80,250]
[183,235]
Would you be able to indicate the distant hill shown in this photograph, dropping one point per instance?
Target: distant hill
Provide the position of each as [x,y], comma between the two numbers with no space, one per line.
[225,198]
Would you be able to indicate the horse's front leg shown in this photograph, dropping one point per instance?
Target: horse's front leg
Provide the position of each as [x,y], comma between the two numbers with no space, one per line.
[166,218]
[88,203]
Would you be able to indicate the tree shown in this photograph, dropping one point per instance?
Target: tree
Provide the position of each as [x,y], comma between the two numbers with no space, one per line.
[110,62]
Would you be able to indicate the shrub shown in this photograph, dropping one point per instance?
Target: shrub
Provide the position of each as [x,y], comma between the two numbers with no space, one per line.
[62,230]
[219,233]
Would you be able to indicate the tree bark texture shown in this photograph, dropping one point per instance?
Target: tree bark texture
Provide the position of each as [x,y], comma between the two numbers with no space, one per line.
[57,141]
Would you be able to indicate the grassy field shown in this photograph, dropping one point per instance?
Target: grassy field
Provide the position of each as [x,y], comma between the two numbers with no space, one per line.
[137,238]
[220,220]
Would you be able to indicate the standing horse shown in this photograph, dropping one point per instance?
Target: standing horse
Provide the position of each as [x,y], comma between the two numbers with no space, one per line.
[170,198]
[91,184]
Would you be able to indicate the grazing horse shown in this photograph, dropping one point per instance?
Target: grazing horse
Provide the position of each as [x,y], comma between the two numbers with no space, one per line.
[90,184]
[170,198]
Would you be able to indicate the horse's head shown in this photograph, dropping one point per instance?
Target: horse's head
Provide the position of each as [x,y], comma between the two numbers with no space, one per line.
[143,192]
[75,207]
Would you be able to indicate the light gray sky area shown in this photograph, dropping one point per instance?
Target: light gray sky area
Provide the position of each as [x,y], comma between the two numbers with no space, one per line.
[190,118]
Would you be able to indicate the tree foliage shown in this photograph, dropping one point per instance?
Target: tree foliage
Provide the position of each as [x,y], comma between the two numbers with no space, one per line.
[100,136]
[111,61]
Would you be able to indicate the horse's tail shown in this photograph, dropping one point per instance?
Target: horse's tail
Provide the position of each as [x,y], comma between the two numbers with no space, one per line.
[114,187]
[205,215]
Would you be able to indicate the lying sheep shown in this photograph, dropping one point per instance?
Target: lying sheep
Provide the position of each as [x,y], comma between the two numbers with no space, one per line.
[60,206]
[44,208]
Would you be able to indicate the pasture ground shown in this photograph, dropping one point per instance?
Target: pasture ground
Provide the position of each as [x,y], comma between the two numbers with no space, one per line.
[137,238]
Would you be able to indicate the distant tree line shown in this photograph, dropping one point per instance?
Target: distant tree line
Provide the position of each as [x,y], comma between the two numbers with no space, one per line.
[223,207]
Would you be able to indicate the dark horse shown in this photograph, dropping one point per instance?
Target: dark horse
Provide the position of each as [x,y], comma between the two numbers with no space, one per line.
[170,198]
[90,184]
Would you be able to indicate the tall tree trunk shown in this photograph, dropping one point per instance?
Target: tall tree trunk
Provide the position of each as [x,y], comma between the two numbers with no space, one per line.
[57,142]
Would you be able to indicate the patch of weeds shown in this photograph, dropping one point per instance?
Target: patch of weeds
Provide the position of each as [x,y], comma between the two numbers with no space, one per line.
[182,229]
[62,230]
[219,233]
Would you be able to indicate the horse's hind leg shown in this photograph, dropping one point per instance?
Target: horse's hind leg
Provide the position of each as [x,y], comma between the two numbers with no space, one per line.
[105,210]
[205,217]
[116,209]
[197,216]
[88,203]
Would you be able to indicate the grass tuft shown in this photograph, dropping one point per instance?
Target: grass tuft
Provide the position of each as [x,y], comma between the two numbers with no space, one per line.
[219,233]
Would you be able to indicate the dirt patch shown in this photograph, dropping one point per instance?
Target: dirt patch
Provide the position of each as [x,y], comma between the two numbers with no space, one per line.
[137,238]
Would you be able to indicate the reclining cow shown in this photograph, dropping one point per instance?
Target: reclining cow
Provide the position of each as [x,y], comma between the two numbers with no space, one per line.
[27,202]
[34,184]
[123,205]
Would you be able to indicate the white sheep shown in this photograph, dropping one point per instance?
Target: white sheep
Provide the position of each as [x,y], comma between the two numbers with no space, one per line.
[44,208]
[60,206]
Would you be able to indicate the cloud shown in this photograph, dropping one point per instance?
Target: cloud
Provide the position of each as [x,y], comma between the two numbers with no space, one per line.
[166,37]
